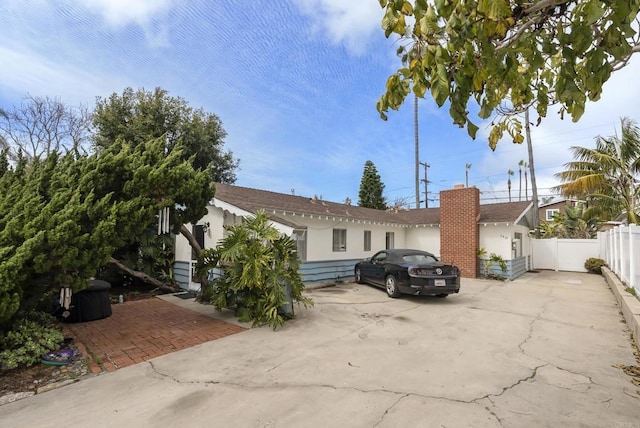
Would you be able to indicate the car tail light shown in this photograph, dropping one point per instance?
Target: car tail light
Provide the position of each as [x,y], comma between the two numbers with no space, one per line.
[417,271]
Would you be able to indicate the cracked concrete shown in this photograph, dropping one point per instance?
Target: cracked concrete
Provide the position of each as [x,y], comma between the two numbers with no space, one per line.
[538,351]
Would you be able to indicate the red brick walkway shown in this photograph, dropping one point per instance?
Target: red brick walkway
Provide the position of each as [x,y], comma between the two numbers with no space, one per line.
[143,329]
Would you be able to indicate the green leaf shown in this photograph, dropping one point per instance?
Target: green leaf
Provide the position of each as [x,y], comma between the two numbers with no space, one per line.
[593,10]
[407,8]
[419,88]
[472,129]
[440,85]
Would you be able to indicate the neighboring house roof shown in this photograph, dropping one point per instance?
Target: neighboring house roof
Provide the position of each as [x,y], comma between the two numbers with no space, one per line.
[278,204]
[562,201]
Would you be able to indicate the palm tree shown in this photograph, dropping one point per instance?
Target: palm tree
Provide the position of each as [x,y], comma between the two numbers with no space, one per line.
[607,175]
[509,173]
[520,164]
[574,224]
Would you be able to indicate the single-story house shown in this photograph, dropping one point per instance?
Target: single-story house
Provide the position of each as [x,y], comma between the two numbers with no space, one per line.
[331,237]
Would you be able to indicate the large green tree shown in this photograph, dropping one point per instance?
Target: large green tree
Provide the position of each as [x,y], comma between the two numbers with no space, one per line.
[139,116]
[371,188]
[607,176]
[523,53]
[62,218]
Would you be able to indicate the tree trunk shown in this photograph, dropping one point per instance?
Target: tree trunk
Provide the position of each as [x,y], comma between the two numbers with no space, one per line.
[142,276]
[520,183]
[192,240]
[196,249]
[534,187]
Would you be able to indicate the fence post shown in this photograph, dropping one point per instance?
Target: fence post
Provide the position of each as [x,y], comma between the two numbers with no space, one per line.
[610,248]
[634,250]
[624,253]
[616,246]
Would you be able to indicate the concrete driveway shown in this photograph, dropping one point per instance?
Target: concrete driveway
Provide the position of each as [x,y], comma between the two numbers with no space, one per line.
[538,351]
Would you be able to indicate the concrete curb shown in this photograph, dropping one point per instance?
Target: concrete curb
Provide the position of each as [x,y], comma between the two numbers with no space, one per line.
[629,304]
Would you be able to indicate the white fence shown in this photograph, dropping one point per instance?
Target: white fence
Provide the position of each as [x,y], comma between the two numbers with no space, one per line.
[621,247]
[563,254]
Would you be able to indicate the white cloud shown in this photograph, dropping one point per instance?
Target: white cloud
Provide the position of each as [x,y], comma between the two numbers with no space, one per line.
[28,72]
[349,23]
[149,15]
[124,12]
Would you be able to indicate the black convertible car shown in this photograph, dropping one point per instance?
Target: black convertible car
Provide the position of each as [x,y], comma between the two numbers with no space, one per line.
[409,272]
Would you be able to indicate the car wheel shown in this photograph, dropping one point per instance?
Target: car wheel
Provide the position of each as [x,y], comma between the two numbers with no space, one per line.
[358,276]
[442,295]
[391,286]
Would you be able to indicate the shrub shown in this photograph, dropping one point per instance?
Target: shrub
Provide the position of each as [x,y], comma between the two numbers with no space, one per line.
[489,261]
[594,265]
[259,273]
[30,338]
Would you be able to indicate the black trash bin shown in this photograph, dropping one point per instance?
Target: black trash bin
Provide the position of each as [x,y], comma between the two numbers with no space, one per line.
[92,303]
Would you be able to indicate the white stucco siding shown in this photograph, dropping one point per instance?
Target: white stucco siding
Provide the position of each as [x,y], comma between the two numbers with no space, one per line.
[215,219]
[320,238]
[494,238]
[499,239]
[182,249]
[424,238]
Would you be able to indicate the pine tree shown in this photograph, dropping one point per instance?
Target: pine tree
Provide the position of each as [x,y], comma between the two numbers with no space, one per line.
[371,188]
[62,218]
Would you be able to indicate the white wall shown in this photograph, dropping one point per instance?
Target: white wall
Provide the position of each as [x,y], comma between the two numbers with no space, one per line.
[493,238]
[320,238]
[213,234]
[424,238]
[497,239]
[563,254]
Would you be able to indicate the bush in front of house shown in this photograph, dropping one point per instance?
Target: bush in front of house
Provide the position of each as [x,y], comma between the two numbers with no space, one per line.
[28,340]
[594,265]
[259,273]
[488,262]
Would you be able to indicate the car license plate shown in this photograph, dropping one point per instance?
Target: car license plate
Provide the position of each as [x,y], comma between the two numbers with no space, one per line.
[440,282]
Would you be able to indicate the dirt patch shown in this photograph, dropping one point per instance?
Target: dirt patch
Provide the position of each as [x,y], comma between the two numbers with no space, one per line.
[40,378]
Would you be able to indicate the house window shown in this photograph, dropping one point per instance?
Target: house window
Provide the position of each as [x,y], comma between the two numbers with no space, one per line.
[390,240]
[551,213]
[339,240]
[300,236]
[367,240]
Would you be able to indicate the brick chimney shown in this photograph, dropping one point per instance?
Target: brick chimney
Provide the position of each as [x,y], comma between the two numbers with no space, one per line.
[459,231]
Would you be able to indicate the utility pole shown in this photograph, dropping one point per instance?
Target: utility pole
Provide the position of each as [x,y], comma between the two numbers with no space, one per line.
[416,148]
[426,183]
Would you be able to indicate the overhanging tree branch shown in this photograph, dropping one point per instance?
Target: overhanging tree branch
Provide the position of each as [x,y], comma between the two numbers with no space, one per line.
[142,276]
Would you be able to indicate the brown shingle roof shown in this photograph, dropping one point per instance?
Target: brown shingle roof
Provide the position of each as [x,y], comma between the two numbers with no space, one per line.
[505,212]
[276,203]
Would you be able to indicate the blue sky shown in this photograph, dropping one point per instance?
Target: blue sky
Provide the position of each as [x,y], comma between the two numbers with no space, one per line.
[294,82]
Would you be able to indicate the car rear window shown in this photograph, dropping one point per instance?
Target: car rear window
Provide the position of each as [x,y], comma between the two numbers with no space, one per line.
[418,258]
